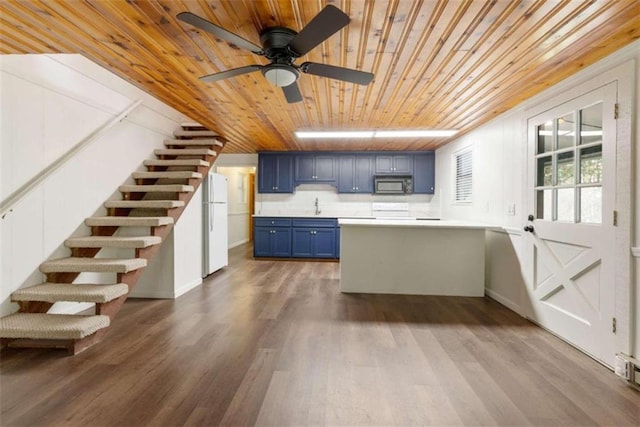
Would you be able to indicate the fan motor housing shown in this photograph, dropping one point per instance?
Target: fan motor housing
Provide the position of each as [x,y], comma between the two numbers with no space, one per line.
[275,42]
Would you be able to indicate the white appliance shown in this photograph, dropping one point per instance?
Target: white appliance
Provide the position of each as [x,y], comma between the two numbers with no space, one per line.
[215,254]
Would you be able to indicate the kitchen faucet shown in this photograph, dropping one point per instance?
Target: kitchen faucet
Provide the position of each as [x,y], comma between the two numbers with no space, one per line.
[318,211]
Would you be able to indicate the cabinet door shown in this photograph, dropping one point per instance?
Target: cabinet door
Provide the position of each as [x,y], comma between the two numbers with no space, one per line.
[403,164]
[338,242]
[346,167]
[363,174]
[302,242]
[262,242]
[384,163]
[266,174]
[324,243]
[424,173]
[304,168]
[282,242]
[284,174]
[325,168]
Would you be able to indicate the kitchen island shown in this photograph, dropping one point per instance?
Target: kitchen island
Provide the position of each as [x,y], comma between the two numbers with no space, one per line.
[412,257]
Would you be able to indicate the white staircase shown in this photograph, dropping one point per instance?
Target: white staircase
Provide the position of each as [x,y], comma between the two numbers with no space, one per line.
[165,188]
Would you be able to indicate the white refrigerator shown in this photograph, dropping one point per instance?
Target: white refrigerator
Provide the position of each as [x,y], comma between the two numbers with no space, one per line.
[215,254]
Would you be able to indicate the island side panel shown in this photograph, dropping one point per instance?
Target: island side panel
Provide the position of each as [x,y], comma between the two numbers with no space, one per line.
[412,261]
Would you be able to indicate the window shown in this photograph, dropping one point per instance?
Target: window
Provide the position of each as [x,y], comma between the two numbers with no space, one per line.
[464,175]
[569,167]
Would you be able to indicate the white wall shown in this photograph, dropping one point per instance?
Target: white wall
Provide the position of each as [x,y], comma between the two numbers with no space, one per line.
[499,173]
[49,104]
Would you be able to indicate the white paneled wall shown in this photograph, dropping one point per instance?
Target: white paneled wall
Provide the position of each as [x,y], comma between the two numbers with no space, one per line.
[49,104]
[499,174]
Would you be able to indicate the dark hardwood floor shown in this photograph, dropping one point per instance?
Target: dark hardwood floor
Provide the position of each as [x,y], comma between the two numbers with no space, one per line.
[276,343]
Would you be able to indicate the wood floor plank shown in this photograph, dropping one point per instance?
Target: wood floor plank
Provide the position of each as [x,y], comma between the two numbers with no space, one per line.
[276,343]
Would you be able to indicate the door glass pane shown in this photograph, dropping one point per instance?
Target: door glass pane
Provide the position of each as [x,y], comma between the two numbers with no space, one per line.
[545,137]
[545,173]
[565,169]
[565,204]
[591,164]
[566,131]
[591,124]
[544,204]
[591,205]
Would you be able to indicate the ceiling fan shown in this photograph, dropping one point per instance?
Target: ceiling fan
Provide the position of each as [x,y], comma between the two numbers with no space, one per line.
[281,46]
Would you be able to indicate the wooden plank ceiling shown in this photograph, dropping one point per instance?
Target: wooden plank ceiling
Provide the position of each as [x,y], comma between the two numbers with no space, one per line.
[437,64]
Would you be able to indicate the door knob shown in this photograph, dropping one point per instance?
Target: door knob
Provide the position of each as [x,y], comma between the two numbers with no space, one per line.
[529,228]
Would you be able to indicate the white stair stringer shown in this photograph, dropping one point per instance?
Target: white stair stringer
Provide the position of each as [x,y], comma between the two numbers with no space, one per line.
[80,292]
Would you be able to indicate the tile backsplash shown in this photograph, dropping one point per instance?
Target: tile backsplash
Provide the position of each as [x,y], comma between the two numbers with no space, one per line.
[302,202]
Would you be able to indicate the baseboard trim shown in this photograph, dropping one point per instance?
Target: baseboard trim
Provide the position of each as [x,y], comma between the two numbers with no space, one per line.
[506,230]
[241,242]
[504,301]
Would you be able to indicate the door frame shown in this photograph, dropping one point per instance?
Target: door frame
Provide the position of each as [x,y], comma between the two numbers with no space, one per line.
[624,76]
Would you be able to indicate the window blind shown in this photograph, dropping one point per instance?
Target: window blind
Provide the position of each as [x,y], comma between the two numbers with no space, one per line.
[464,176]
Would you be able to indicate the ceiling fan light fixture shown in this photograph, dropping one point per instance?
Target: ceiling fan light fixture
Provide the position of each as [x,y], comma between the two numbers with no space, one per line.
[280,74]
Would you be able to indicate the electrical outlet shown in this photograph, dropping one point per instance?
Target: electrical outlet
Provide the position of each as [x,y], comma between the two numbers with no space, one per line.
[511,209]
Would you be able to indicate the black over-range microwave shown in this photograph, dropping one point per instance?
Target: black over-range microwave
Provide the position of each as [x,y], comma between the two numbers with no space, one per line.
[393,184]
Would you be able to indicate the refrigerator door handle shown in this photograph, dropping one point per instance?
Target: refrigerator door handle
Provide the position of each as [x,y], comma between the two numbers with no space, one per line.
[211,216]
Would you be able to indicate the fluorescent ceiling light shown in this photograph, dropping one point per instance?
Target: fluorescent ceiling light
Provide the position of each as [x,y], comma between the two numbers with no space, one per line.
[414,133]
[335,134]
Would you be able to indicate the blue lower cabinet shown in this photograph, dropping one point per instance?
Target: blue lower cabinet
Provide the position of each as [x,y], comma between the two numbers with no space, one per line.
[338,241]
[295,237]
[272,242]
[314,243]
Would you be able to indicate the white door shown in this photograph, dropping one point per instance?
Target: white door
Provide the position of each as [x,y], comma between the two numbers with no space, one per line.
[570,239]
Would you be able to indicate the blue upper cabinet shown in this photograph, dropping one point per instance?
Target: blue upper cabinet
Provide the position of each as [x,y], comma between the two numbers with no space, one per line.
[315,168]
[350,172]
[275,173]
[355,173]
[424,173]
[394,164]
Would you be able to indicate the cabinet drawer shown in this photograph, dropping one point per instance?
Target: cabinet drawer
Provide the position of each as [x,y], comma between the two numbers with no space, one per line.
[272,222]
[315,223]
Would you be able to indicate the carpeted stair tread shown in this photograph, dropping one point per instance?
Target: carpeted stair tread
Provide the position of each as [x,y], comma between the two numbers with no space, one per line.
[192,142]
[194,134]
[184,152]
[112,242]
[176,162]
[127,221]
[167,175]
[142,204]
[159,188]
[51,326]
[81,292]
[97,265]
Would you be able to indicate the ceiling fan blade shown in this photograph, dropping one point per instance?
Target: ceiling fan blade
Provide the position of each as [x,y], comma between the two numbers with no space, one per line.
[329,21]
[219,32]
[338,73]
[292,93]
[230,73]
